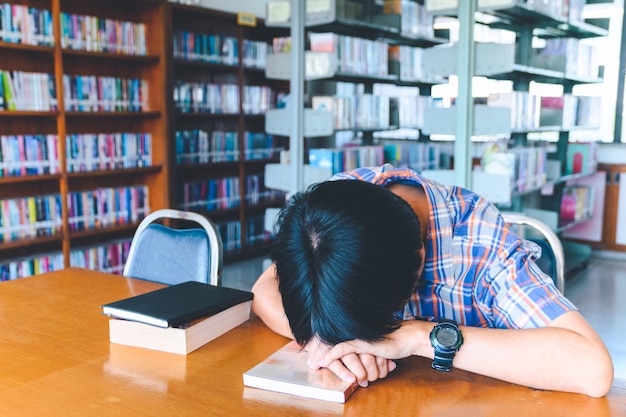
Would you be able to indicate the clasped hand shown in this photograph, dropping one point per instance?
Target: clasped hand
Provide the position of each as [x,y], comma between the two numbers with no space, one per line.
[360,361]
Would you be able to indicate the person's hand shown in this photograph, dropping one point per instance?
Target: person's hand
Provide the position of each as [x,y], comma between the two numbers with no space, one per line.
[399,344]
[352,367]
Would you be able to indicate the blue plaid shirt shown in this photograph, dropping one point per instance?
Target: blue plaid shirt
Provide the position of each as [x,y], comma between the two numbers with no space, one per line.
[476,271]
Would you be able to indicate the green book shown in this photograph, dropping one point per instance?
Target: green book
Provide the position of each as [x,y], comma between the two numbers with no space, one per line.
[9,91]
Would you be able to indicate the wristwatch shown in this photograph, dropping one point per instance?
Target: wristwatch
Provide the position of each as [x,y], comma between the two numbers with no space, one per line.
[446,339]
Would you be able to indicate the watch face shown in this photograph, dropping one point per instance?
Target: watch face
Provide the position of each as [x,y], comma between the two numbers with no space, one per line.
[447,337]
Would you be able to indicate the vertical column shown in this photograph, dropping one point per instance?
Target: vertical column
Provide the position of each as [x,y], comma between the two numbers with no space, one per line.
[296,92]
[465,102]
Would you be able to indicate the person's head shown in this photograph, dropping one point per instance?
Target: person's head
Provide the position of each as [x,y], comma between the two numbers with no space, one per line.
[347,255]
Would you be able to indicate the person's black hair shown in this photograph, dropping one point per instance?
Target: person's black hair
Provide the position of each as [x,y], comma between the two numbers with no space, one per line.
[347,255]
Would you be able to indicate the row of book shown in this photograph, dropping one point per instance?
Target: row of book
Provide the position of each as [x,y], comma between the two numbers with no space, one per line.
[407,106]
[569,111]
[203,47]
[91,93]
[107,206]
[408,60]
[109,257]
[106,151]
[28,155]
[254,53]
[27,25]
[576,203]
[231,236]
[222,99]
[526,167]
[419,156]
[260,145]
[27,91]
[191,97]
[224,193]
[216,49]
[574,57]
[353,55]
[415,20]
[525,108]
[97,34]
[347,158]
[199,146]
[255,233]
[258,193]
[210,195]
[30,217]
[364,111]
[25,267]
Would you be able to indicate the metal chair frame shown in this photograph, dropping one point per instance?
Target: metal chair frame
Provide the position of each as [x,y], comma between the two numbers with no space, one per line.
[215,240]
[550,236]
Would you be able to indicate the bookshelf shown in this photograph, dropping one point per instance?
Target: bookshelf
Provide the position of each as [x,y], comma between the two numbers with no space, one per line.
[100,131]
[360,60]
[220,146]
[560,28]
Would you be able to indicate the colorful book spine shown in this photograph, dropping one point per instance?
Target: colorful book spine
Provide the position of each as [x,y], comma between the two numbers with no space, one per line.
[28,155]
[26,267]
[97,34]
[257,193]
[107,151]
[30,217]
[106,207]
[211,195]
[27,91]
[109,257]
[26,25]
[90,93]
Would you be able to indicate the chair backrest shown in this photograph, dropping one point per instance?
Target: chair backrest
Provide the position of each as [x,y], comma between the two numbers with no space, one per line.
[167,255]
[552,260]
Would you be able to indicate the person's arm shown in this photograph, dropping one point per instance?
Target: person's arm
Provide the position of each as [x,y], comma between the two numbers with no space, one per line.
[267,302]
[567,355]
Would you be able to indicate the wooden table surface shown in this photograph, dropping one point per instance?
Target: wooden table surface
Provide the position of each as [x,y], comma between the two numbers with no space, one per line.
[57,361]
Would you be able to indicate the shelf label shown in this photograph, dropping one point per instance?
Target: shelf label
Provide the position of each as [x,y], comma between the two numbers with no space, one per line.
[452,5]
[440,5]
[317,6]
[278,12]
[246,19]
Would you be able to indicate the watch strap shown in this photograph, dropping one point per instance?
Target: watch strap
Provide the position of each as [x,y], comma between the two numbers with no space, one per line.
[443,361]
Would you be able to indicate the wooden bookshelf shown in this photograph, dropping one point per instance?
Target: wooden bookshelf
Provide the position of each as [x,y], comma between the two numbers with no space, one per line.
[224,60]
[99,60]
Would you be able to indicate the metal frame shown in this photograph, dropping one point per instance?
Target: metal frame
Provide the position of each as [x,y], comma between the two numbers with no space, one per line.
[552,239]
[215,240]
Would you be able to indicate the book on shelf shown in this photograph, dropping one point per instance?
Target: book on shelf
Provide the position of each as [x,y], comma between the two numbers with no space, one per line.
[286,371]
[179,318]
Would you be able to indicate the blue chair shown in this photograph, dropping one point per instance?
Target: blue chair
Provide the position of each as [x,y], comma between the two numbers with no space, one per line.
[170,255]
[552,261]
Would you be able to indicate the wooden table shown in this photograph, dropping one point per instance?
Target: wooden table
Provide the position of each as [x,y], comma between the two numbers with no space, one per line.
[57,361]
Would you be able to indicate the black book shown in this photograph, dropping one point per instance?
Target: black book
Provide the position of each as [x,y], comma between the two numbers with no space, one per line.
[176,305]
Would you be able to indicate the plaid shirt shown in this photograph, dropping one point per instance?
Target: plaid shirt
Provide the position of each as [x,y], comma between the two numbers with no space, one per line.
[476,271]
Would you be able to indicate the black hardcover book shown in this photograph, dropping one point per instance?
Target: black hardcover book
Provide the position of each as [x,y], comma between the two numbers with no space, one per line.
[177,304]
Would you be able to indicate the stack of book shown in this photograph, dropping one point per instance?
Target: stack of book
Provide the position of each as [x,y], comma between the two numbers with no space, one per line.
[178,319]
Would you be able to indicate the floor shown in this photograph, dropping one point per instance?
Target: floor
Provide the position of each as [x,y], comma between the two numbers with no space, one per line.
[599,292]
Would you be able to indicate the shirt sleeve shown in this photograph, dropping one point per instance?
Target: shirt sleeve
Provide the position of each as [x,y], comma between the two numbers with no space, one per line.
[517,294]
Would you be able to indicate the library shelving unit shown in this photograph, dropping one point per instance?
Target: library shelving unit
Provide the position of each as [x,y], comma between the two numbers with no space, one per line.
[219,145]
[547,21]
[86,158]
[351,85]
